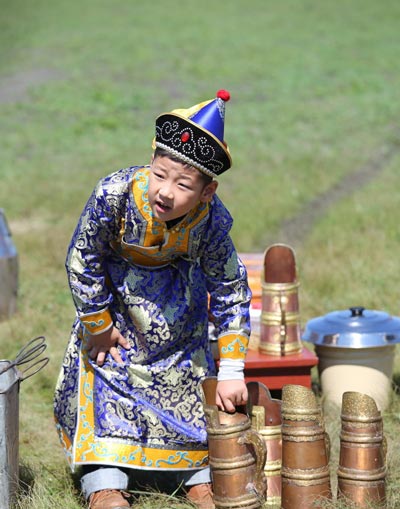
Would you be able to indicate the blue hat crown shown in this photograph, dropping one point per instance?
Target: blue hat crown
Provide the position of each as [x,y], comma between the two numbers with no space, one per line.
[212,115]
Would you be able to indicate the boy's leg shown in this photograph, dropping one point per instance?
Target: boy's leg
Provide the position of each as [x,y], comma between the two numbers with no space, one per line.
[104,487]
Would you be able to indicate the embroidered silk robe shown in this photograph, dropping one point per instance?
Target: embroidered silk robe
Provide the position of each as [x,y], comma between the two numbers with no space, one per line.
[157,286]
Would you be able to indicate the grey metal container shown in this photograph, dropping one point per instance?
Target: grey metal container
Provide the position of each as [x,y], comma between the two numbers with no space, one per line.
[9,416]
[8,270]
[10,378]
[356,350]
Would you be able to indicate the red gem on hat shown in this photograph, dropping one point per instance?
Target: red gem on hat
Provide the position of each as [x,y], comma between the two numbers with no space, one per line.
[185,137]
[224,95]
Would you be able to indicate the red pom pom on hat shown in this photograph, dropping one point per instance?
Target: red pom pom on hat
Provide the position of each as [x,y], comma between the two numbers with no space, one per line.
[224,95]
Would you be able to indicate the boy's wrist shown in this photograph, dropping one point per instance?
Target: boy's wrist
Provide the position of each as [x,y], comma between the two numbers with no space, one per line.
[230,369]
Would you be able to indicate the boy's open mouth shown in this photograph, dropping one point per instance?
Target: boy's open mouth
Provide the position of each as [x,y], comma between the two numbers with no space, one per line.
[162,206]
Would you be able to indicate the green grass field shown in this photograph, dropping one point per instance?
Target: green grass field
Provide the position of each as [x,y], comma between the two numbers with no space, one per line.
[312,126]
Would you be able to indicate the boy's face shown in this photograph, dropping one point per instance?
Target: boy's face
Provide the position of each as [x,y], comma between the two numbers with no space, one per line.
[175,189]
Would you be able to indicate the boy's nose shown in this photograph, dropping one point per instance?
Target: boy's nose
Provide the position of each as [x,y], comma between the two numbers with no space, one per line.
[166,192]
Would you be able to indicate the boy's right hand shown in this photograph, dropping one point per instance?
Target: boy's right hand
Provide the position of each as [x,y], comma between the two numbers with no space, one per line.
[106,341]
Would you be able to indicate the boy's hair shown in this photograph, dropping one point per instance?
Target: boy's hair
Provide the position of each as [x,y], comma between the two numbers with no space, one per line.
[160,152]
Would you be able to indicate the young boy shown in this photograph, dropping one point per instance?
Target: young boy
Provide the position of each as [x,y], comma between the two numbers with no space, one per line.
[150,262]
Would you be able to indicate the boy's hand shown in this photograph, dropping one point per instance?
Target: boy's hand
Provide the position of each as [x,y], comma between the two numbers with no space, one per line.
[107,341]
[230,394]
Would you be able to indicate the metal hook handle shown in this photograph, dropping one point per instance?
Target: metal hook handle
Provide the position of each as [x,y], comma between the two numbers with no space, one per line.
[27,373]
[30,351]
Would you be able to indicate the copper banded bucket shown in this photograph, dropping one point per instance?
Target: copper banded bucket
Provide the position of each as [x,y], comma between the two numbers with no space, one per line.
[280,318]
[237,456]
[266,419]
[305,450]
[362,469]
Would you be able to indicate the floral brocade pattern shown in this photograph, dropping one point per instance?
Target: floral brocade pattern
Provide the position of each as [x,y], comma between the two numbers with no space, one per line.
[146,412]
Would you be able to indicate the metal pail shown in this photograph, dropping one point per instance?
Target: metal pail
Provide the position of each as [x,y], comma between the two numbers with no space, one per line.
[356,348]
[10,378]
[9,415]
[8,270]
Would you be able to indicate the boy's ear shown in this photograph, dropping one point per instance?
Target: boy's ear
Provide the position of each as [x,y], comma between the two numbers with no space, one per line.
[209,191]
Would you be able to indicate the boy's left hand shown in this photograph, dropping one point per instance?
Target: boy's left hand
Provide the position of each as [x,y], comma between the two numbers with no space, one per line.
[230,394]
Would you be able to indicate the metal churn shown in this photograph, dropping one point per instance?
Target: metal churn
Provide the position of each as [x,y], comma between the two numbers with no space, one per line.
[8,270]
[11,375]
[356,348]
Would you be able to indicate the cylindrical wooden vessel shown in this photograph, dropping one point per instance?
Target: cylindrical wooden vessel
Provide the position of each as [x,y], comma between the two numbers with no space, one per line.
[237,456]
[280,318]
[362,468]
[266,419]
[305,450]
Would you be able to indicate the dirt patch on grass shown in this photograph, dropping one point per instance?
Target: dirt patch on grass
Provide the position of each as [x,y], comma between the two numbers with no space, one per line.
[294,230]
[16,87]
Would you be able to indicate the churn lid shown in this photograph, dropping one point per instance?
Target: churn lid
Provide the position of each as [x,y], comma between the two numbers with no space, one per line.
[355,327]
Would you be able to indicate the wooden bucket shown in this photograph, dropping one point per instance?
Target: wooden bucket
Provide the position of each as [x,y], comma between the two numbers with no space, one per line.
[280,318]
[362,468]
[237,456]
[266,419]
[305,450]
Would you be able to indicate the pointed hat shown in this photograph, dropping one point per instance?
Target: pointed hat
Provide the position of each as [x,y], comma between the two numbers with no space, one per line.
[196,135]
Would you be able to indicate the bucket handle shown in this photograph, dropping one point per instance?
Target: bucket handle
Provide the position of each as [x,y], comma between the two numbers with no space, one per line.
[28,353]
[27,373]
[251,437]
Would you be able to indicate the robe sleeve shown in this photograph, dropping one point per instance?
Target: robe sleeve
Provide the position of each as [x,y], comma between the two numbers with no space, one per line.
[85,263]
[228,288]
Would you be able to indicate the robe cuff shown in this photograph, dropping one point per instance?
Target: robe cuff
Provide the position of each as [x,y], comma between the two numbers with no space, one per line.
[233,346]
[98,322]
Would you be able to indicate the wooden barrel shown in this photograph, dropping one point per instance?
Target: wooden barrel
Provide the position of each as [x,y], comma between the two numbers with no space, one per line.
[280,317]
[305,450]
[266,419]
[237,457]
[362,469]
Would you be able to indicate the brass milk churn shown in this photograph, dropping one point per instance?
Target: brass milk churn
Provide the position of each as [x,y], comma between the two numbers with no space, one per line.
[10,378]
[8,270]
[305,450]
[237,456]
[362,468]
[280,318]
[266,419]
